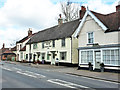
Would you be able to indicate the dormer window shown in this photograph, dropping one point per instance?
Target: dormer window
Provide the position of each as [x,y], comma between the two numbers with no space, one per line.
[90,38]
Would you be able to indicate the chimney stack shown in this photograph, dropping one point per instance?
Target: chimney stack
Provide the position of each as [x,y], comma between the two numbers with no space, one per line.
[118,7]
[30,32]
[82,11]
[60,20]
[3,46]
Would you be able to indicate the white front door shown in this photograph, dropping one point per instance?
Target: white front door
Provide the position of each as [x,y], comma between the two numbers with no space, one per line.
[97,59]
[53,59]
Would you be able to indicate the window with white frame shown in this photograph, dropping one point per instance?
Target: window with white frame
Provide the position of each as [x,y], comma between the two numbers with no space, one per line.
[53,43]
[17,47]
[111,57]
[90,38]
[26,56]
[21,55]
[34,45]
[63,42]
[86,57]
[63,55]
[43,45]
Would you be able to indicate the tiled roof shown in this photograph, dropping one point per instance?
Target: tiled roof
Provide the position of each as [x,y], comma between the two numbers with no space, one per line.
[7,51]
[56,32]
[111,21]
[25,38]
[13,49]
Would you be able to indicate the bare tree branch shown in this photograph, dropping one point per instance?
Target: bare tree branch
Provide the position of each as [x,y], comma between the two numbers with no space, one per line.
[70,11]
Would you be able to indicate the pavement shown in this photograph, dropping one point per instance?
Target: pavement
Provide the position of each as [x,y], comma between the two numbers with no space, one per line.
[107,76]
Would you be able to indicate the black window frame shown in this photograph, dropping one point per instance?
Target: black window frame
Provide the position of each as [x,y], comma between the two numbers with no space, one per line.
[63,42]
[43,45]
[53,43]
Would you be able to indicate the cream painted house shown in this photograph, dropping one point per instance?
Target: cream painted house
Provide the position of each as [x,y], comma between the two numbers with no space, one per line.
[98,40]
[55,44]
[21,46]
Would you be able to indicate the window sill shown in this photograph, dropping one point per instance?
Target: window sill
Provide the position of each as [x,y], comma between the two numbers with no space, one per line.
[92,44]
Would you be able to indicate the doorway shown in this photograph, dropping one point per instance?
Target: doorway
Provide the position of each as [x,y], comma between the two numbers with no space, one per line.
[97,59]
[53,58]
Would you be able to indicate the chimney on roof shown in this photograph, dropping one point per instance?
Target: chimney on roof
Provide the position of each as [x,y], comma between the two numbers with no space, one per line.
[60,20]
[82,11]
[118,6]
[30,32]
[3,46]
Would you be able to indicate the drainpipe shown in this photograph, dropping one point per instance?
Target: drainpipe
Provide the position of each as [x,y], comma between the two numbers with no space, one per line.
[78,60]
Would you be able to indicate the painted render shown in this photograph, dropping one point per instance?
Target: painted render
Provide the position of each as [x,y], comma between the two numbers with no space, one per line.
[99,36]
[72,54]
[18,52]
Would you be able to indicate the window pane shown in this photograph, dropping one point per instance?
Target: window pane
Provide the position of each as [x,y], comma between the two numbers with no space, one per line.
[63,42]
[42,44]
[90,37]
[53,43]
[63,55]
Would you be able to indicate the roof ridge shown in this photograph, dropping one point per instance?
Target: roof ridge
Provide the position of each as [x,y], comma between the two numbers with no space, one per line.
[56,26]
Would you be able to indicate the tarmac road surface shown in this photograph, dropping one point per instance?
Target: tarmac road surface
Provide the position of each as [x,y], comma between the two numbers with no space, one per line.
[19,76]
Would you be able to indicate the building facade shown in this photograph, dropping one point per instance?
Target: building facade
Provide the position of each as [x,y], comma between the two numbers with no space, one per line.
[98,40]
[21,46]
[55,43]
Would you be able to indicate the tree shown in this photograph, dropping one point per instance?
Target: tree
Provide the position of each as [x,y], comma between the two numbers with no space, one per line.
[13,42]
[70,10]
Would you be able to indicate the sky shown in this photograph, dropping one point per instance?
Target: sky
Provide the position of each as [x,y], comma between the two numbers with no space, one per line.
[17,16]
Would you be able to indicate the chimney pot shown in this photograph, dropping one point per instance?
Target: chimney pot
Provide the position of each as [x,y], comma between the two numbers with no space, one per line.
[82,11]
[60,20]
[60,15]
[3,45]
[118,6]
[83,8]
[30,32]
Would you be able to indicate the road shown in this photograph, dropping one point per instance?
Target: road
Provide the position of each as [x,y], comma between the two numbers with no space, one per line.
[19,76]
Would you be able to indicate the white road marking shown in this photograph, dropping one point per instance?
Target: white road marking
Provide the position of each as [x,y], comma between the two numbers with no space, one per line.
[6,69]
[60,84]
[66,84]
[17,69]
[26,74]
[48,70]
[100,80]
[35,74]
[72,75]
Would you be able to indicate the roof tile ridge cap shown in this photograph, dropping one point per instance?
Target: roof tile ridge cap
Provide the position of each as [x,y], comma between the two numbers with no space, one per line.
[46,29]
[110,13]
[97,13]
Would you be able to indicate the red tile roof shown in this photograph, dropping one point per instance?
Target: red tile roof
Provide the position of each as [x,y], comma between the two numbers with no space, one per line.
[13,49]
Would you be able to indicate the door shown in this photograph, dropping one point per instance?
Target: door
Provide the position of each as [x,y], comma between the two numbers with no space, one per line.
[97,59]
[53,58]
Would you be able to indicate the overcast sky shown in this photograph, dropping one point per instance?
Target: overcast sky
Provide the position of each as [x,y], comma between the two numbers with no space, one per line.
[16,16]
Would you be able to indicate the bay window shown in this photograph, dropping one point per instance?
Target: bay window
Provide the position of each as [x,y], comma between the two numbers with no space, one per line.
[86,57]
[111,57]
